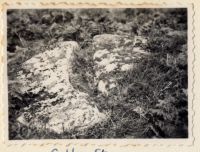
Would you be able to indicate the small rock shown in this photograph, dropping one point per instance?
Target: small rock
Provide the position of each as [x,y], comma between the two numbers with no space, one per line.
[126,67]
[102,86]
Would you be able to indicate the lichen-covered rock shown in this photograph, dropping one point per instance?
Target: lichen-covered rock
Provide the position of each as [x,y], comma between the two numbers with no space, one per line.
[114,54]
[58,106]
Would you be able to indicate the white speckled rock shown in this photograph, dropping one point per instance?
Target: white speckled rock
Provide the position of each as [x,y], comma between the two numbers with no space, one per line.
[114,54]
[59,106]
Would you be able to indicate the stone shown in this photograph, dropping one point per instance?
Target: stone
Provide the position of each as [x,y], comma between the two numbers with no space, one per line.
[58,107]
[126,67]
[114,54]
[102,86]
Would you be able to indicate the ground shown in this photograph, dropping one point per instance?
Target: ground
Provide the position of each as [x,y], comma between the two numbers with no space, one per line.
[97,74]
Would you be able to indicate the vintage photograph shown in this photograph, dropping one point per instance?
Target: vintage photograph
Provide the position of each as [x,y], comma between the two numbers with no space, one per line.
[97,73]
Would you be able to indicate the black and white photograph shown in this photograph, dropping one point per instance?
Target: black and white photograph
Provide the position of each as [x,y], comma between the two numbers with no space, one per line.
[97,73]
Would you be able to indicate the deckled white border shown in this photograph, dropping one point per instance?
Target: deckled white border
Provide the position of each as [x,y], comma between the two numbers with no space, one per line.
[95,142]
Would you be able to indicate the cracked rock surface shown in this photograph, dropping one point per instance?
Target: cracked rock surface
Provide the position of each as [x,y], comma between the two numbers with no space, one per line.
[115,54]
[59,106]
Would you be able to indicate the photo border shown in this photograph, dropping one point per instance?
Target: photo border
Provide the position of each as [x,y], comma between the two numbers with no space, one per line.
[96,142]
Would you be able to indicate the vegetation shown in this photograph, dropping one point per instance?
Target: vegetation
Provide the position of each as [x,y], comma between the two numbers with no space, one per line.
[150,101]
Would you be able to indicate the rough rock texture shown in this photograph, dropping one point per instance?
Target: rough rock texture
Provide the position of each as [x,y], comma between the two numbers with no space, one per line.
[115,54]
[57,105]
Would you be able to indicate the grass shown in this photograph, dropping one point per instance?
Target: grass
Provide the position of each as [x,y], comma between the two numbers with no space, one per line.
[150,100]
